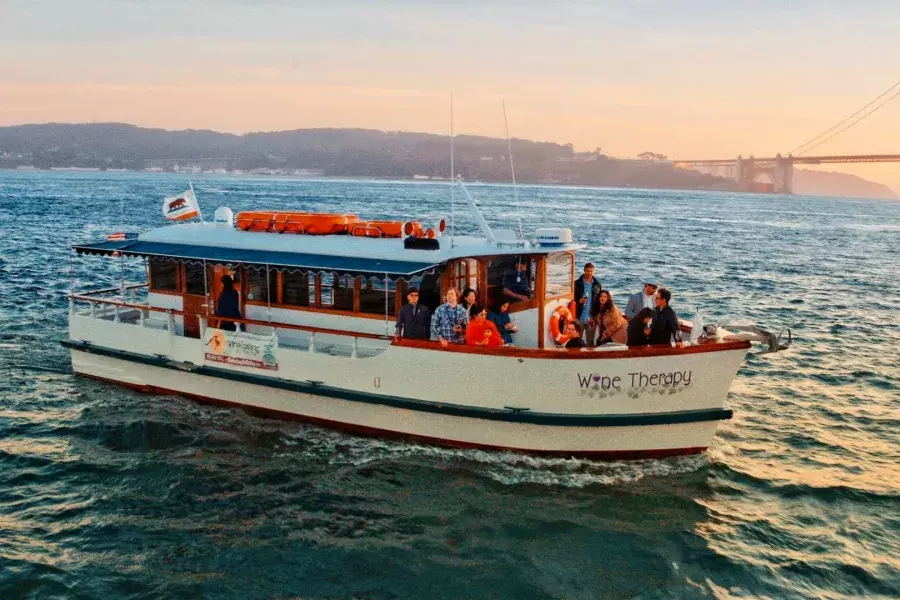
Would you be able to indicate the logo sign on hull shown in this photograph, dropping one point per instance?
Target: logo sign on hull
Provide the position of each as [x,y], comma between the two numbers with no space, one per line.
[241,349]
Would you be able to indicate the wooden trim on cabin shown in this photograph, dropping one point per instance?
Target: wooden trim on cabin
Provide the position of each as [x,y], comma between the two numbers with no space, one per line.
[482,281]
[279,287]
[400,295]
[540,288]
[572,275]
[317,301]
[523,305]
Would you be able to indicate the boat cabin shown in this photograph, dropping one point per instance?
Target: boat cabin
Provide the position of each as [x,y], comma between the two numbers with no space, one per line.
[299,272]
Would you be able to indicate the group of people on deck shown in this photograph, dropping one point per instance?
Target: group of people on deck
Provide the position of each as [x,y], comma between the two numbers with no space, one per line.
[648,318]
[455,322]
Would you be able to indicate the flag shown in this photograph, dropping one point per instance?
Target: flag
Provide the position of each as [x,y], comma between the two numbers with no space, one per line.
[121,236]
[180,207]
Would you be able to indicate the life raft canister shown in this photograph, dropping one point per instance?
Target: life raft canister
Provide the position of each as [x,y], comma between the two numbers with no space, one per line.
[561,317]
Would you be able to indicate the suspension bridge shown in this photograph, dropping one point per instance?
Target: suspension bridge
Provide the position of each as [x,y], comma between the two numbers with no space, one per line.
[780,168]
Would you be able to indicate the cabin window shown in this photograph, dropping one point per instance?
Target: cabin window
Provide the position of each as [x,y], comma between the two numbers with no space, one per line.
[374,292]
[194,282]
[298,288]
[559,274]
[163,276]
[260,283]
[465,274]
[342,292]
[326,290]
[510,279]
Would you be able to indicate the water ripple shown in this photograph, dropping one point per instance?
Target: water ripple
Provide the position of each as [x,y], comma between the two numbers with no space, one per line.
[105,492]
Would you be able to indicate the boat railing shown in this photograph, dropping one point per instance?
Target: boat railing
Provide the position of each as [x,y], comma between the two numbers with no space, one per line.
[131,290]
[155,317]
[120,311]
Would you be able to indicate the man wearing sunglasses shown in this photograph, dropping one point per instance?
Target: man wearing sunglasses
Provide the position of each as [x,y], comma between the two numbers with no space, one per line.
[414,320]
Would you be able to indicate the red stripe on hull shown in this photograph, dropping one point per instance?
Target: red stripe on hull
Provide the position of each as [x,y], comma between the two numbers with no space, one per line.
[362,430]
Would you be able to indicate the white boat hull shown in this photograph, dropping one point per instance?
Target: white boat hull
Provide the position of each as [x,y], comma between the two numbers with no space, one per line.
[603,404]
[370,419]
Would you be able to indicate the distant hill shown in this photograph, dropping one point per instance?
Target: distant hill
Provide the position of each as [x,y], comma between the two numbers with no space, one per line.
[332,152]
[829,183]
[355,153]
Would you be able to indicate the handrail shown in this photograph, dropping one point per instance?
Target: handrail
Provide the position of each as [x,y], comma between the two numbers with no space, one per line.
[277,325]
[136,286]
[580,353]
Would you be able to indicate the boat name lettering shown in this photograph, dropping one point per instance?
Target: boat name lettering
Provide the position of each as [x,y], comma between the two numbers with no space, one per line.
[673,379]
[636,379]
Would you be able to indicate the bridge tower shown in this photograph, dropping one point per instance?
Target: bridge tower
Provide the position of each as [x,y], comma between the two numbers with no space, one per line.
[745,173]
[783,175]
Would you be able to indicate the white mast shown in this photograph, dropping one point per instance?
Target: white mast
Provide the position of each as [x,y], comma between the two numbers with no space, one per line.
[452,179]
[512,169]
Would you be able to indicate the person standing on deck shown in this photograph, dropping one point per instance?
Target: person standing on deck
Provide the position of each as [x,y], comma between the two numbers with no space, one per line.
[664,327]
[414,320]
[643,299]
[228,304]
[587,292]
[449,320]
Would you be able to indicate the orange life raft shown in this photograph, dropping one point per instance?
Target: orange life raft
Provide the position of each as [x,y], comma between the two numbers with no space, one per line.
[387,229]
[296,222]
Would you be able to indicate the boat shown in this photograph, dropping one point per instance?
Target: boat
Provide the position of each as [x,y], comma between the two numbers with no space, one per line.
[316,339]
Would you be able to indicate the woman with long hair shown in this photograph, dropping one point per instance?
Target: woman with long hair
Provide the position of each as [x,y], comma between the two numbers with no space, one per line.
[612,326]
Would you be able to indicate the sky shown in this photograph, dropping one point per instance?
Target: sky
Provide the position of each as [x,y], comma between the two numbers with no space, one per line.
[686,78]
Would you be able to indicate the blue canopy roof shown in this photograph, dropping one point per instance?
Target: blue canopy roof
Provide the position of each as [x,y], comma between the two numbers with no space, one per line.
[213,254]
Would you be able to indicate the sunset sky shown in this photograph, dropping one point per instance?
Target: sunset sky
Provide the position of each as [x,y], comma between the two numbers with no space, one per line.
[689,79]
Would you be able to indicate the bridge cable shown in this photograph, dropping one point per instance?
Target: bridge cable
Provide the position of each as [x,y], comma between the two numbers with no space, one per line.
[840,131]
[829,130]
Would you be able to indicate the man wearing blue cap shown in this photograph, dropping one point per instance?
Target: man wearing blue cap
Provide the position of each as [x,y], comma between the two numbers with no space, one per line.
[643,299]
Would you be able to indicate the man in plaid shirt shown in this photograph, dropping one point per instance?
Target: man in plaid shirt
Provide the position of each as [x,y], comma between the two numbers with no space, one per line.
[448,321]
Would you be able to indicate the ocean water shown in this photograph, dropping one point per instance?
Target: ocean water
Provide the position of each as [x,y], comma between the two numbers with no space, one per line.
[109,493]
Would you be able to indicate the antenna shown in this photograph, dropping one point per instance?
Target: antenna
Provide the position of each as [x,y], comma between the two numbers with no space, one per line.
[452,180]
[512,169]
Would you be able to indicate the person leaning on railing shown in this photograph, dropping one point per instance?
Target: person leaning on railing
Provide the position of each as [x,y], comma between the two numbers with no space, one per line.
[449,320]
[414,320]
[228,304]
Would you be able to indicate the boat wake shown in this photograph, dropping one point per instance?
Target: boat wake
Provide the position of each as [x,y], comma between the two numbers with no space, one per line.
[506,468]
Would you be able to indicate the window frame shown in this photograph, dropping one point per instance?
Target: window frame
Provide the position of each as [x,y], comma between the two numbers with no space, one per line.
[177,265]
[570,290]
